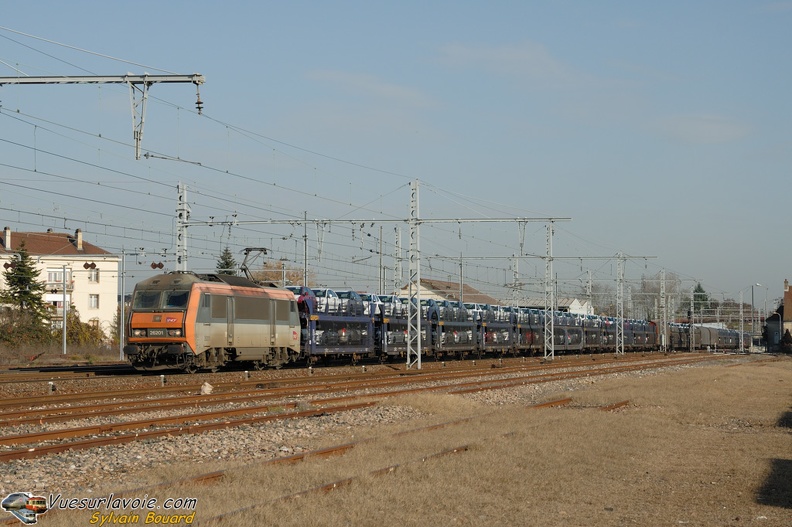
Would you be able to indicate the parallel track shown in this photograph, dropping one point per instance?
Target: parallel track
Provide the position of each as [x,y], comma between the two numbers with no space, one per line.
[369,388]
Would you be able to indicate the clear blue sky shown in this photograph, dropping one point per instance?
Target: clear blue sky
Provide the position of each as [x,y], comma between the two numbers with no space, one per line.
[662,129]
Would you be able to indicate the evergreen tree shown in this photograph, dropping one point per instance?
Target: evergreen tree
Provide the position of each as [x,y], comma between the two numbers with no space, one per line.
[700,299]
[29,316]
[226,263]
[23,290]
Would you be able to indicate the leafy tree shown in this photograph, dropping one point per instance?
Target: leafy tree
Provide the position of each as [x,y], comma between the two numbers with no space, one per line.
[18,327]
[24,295]
[226,263]
[78,332]
[603,299]
[647,298]
[115,327]
[274,271]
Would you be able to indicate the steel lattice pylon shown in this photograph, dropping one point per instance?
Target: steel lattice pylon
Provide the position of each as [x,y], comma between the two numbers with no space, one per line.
[549,312]
[414,287]
[620,305]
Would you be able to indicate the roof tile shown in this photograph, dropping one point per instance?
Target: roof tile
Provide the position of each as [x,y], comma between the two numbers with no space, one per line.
[48,244]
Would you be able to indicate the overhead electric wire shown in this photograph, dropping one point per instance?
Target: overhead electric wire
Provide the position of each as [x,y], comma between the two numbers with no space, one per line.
[445,236]
[82,50]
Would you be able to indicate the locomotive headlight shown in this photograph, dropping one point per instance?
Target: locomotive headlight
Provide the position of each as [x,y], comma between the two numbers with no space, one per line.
[138,332]
[174,332]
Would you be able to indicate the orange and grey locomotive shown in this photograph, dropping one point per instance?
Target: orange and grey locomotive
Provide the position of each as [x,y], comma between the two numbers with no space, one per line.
[190,321]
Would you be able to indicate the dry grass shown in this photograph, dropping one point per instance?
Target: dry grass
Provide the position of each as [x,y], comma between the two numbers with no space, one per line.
[52,355]
[705,446]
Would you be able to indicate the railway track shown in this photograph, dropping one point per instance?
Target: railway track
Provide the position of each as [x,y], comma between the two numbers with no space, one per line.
[60,406]
[66,372]
[27,431]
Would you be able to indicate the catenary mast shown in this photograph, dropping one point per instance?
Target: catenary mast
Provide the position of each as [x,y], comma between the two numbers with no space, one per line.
[138,91]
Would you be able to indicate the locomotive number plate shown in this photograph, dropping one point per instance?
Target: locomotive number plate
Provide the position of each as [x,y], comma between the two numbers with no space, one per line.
[156,333]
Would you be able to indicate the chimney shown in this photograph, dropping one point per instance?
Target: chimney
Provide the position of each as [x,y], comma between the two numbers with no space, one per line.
[78,234]
[786,281]
[7,239]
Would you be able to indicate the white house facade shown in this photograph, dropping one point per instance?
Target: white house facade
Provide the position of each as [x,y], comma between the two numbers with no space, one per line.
[75,273]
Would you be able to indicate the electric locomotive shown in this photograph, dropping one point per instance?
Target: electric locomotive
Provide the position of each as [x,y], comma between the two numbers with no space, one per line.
[189,321]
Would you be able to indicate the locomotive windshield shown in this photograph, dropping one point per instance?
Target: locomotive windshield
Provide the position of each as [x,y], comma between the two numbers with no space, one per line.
[160,299]
[146,299]
[176,299]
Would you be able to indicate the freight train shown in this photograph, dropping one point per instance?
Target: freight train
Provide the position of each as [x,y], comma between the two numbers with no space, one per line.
[188,321]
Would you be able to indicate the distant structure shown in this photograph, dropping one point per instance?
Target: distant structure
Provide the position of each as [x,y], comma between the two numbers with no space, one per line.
[566,304]
[91,273]
[443,290]
[782,323]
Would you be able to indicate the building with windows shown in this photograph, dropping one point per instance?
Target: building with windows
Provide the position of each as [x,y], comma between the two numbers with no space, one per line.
[75,272]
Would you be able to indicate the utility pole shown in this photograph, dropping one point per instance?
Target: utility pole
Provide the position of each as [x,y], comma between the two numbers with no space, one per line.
[381,268]
[414,285]
[122,315]
[664,312]
[620,304]
[182,217]
[305,248]
[690,318]
[550,300]
[397,273]
[138,91]
[65,309]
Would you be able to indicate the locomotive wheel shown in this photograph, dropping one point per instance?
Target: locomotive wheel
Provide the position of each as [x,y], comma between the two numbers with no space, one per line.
[259,365]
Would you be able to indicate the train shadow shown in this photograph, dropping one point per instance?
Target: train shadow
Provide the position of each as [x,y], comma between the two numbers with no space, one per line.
[777,488]
[95,369]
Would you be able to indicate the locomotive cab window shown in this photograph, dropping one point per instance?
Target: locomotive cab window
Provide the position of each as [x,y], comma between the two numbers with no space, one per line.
[177,299]
[146,300]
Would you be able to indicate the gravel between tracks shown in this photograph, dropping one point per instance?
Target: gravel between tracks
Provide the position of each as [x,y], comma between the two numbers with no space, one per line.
[80,471]
[130,465]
